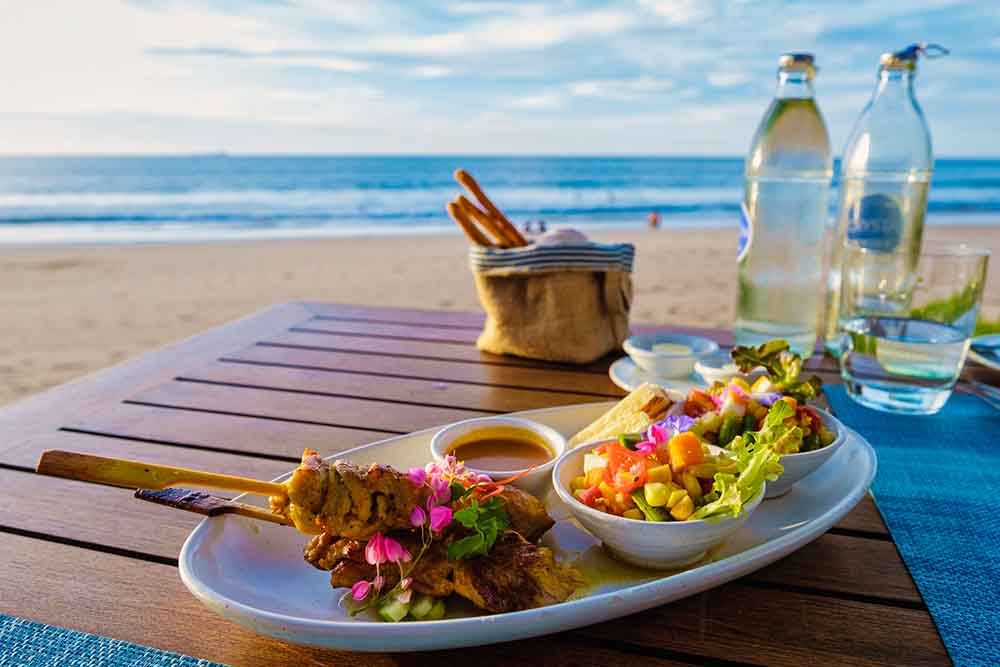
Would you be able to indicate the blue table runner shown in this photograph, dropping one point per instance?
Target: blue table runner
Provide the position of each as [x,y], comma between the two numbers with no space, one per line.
[938,489]
[28,644]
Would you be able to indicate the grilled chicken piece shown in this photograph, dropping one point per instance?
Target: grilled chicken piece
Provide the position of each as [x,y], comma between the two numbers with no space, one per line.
[516,574]
[345,500]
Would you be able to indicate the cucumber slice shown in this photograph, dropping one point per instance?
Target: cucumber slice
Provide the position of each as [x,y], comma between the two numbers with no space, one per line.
[420,606]
[393,611]
[437,611]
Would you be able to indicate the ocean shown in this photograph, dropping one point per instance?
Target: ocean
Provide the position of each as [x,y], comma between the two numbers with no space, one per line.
[210,197]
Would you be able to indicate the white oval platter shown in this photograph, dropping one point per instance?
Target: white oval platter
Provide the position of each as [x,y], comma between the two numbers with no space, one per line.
[253,573]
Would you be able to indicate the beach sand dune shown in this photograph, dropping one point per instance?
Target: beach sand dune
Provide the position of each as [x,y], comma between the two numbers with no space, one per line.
[71,310]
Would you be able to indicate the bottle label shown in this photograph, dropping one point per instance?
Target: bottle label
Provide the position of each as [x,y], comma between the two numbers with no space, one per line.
[876,223]
[746,233]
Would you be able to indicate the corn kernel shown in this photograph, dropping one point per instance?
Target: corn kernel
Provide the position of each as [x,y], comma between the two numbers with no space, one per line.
[682,510]
[633,514]
[741,383]
[691,484]
[659,474]
[676,496]
[578,482]
[656,493]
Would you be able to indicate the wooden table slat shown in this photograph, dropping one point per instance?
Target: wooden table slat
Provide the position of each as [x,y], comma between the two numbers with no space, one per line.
[509,377]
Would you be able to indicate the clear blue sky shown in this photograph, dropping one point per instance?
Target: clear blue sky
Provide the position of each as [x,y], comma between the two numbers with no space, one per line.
[648,76]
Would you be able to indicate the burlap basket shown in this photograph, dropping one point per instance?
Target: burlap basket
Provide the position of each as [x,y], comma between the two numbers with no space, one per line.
[567,303]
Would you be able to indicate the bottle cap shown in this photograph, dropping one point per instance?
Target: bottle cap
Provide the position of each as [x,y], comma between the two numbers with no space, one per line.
[796,61]
[907,58]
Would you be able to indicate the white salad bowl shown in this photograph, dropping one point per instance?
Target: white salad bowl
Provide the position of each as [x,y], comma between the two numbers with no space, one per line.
[535,482]
[798,466]
[656,545]
[668,364]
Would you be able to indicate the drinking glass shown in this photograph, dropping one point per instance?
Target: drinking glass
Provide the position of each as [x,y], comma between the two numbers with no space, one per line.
[904,334]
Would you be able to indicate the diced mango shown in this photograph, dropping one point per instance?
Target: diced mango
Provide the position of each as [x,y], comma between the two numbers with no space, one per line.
[791,401]
[741,383]
[656,493]
[607,491]
[682,510]
[633,514]
[659,474]
[676,496]
[594,477]
[691,484]
[578,483]
[685,450]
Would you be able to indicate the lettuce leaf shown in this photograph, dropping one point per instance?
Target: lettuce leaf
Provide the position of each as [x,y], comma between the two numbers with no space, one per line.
[755,466]
[783,368]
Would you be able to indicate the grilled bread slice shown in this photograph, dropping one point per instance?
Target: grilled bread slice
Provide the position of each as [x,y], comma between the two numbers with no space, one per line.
[647,404]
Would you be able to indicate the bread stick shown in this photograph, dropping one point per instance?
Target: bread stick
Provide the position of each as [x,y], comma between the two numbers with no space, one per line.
[469,227]
[507,229]
[473,213]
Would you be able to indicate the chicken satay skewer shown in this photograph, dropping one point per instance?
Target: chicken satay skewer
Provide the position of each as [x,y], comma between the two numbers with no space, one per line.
[139,475]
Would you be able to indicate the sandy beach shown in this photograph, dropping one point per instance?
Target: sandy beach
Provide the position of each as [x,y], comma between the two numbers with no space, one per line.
[71,310]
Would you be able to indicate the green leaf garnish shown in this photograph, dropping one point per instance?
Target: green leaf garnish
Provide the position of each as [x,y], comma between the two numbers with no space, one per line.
[783,368]
[488,520]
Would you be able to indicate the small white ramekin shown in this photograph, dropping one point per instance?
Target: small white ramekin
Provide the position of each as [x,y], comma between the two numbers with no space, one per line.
[536,482]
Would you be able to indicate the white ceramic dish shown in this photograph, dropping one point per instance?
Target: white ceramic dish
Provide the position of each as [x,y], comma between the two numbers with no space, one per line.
[668,364]
[991,340]
[719,367]
[648,544]
[253,573]
[537,481]
[626,375]
[798,466]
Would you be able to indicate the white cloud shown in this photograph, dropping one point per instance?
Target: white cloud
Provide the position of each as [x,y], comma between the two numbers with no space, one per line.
[536,102]
[679,12]
[728,78]
[431,71]
[621,89]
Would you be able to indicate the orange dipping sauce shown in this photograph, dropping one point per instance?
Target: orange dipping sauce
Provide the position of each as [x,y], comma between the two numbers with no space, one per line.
[501,449]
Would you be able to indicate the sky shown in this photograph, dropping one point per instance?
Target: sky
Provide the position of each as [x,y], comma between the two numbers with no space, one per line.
[665,77]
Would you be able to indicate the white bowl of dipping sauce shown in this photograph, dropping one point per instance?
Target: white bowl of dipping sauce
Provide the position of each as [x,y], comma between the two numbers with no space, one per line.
[502,447]
[668,355]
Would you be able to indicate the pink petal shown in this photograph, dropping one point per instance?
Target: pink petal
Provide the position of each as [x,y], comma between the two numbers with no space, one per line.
[418,517]
[440,518]
[406,583]
[657,434]
[394,551]
[483,478]
[378,582]
[646,447]
[375,550]
[404,596]
[417,476]
[360,590]
[440,490]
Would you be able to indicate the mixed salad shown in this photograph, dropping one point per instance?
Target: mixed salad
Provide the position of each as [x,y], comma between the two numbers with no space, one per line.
[670,472]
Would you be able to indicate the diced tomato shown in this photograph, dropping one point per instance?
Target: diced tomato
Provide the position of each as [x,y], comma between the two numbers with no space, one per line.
[590,496]
[626,470]
[813,417]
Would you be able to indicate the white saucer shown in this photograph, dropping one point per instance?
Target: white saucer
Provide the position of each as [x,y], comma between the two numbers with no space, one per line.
[628,376]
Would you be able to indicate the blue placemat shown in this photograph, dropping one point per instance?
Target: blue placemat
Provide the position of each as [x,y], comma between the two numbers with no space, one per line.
[938,489]
[28,644]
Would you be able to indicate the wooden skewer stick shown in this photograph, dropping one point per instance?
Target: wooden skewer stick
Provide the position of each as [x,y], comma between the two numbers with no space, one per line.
[468,226]
[466,180]
[138,475]
[473,212]
[203,503]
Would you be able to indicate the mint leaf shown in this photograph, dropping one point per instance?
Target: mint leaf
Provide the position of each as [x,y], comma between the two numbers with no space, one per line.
[467,547]
[467,516]
[458,491]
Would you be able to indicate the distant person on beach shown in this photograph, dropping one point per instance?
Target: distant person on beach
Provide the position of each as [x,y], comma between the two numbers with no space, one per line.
[654,219]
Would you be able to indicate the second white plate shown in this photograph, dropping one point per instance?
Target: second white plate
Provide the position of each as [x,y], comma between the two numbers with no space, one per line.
[627,375]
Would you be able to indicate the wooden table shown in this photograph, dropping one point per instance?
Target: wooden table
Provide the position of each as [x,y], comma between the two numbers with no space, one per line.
[247,397]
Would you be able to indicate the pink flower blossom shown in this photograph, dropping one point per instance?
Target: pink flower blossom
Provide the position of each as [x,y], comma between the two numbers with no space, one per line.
[440,490]
[375,550]
[656,433]
[404,596]
[433,469]
[483,478]
[378,582]
[417,476]
[645,447]
[394,551]
[406,583]
[418,516]
[360,590]
[440,518]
